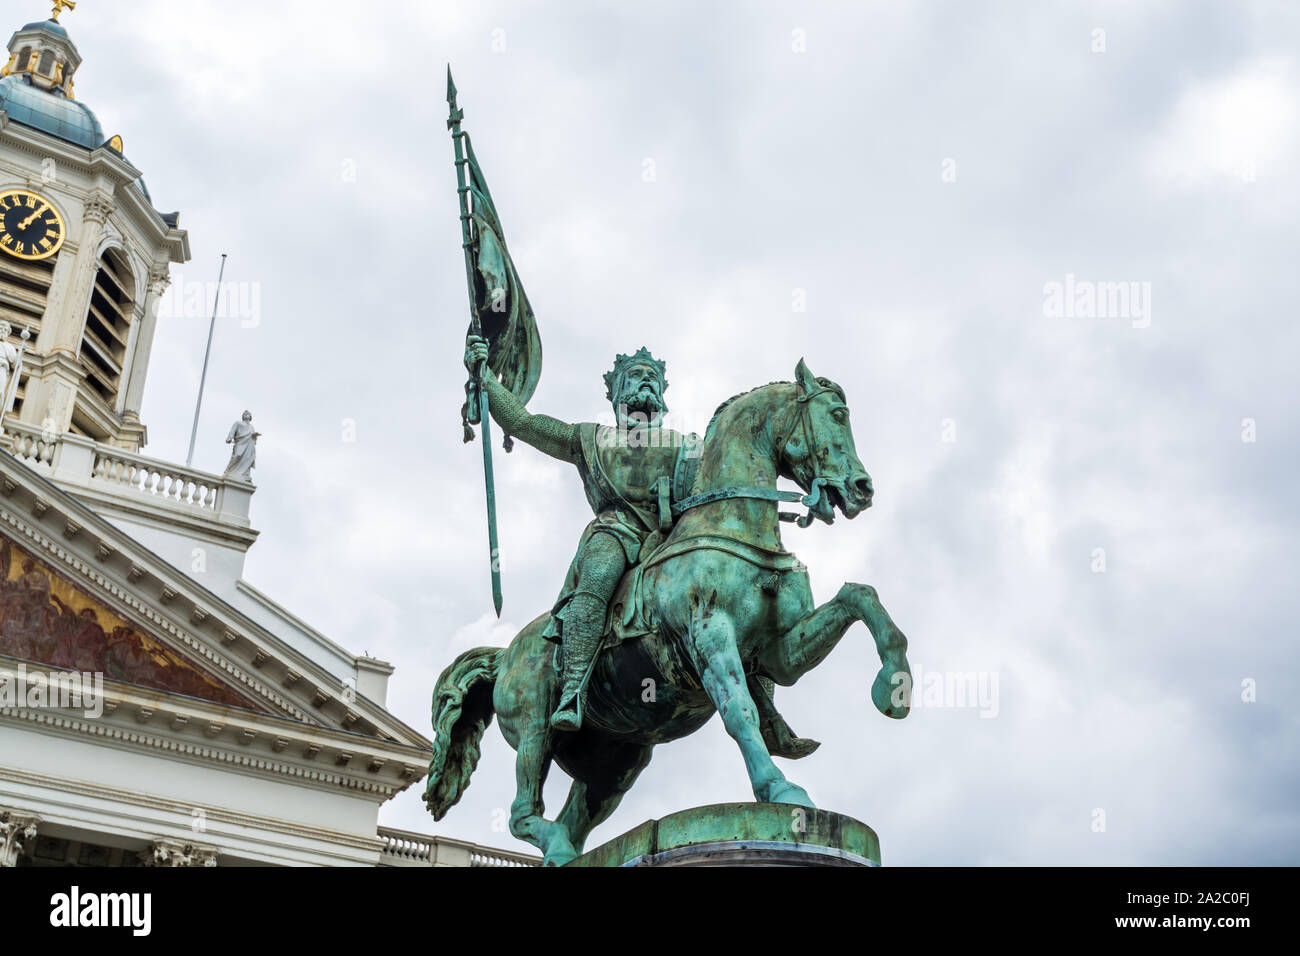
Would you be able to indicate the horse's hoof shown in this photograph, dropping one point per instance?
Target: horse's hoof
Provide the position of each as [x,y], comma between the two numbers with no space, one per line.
[796,748]
[793,794]
[559,855]
[891,692]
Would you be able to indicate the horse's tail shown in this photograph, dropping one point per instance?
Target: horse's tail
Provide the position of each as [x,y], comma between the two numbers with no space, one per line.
[462,710]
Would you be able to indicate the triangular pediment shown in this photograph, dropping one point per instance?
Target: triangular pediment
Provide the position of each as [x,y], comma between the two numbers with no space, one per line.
[47,619]
[185,672]
[155,627]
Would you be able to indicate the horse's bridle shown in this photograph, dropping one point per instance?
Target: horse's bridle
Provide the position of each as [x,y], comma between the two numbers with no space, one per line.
[799,418]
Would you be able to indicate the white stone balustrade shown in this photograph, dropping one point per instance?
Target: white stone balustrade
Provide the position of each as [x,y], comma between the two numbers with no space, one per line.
[32,448]
[80,465]
[404,848]
[154,478]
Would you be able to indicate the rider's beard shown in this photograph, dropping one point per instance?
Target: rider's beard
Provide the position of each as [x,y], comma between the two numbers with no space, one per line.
[643,406]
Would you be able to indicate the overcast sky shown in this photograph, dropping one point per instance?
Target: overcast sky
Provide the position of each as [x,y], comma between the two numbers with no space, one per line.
[681,176]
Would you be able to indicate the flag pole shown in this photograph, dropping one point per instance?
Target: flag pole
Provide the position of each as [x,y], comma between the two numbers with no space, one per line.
[479,398]
[189,459]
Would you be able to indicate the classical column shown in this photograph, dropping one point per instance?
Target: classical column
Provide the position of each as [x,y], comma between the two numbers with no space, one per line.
[178,853]
[17,830]
[67,303]
[159,279]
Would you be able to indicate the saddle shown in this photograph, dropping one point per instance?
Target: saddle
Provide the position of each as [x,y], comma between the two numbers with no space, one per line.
[628,620]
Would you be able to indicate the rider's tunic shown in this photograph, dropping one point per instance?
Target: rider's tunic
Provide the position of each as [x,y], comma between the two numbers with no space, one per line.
[621,471]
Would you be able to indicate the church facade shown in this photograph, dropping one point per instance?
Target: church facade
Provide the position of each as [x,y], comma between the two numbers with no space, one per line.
[155,707]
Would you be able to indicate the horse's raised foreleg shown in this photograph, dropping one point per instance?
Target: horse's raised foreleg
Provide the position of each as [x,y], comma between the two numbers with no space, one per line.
[712,641]
[806,645]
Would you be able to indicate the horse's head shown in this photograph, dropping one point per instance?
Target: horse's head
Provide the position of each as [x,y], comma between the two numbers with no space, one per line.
[816,449]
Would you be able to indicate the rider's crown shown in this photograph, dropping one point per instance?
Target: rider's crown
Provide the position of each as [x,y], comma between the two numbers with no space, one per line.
[621,364]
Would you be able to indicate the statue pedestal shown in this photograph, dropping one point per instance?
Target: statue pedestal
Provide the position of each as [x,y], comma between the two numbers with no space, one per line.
[742,834]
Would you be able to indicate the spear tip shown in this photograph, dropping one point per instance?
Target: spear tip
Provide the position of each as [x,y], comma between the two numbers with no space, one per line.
[451,86]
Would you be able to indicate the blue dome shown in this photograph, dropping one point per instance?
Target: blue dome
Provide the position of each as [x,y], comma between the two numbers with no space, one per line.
[50,26]
[49,112]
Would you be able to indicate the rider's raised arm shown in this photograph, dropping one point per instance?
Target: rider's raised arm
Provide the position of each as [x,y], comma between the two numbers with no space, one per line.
[548,435]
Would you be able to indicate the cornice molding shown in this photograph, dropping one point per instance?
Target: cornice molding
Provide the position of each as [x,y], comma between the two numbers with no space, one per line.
[197,525]
[155,806]
[319,766]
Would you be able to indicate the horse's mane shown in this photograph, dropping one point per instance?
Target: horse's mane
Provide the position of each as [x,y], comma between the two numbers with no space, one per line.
[713,422]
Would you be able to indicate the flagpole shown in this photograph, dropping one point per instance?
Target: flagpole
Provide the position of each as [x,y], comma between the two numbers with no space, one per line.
[479,398]
[189,459]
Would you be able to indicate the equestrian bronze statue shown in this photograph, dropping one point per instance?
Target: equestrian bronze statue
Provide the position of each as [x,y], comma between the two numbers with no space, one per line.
[681,599]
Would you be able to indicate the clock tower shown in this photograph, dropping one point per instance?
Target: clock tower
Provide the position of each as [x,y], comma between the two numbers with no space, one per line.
[84,255]
[156,708]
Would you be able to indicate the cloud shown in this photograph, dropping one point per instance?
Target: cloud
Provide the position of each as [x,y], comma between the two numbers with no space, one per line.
[310,145]
[1233,128]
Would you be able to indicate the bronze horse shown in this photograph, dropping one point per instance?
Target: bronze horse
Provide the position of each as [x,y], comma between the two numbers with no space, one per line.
[725,604]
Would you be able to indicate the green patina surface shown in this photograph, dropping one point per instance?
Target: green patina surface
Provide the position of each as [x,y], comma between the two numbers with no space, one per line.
[681,600]
[739,823]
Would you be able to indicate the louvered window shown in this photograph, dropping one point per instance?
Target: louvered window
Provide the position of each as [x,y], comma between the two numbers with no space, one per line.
[108,323]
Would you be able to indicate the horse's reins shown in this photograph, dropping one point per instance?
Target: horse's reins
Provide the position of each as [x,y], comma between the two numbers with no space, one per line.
[813,500]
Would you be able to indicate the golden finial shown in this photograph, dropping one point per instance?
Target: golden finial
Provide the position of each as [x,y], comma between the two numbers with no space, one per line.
[59,5]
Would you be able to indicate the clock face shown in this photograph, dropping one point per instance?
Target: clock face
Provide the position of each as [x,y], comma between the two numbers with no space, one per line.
[30,227]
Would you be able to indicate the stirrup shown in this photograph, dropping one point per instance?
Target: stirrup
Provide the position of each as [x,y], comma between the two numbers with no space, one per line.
[568,713]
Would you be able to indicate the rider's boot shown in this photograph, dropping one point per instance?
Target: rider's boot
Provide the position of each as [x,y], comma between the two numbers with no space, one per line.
[581,638]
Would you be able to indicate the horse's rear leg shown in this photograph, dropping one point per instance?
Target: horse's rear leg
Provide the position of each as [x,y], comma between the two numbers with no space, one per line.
[713,646]
[532,762]
[593,799]
[522,698]
[806,645]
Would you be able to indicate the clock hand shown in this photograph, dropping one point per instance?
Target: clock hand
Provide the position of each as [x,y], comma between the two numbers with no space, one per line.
[30,219]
